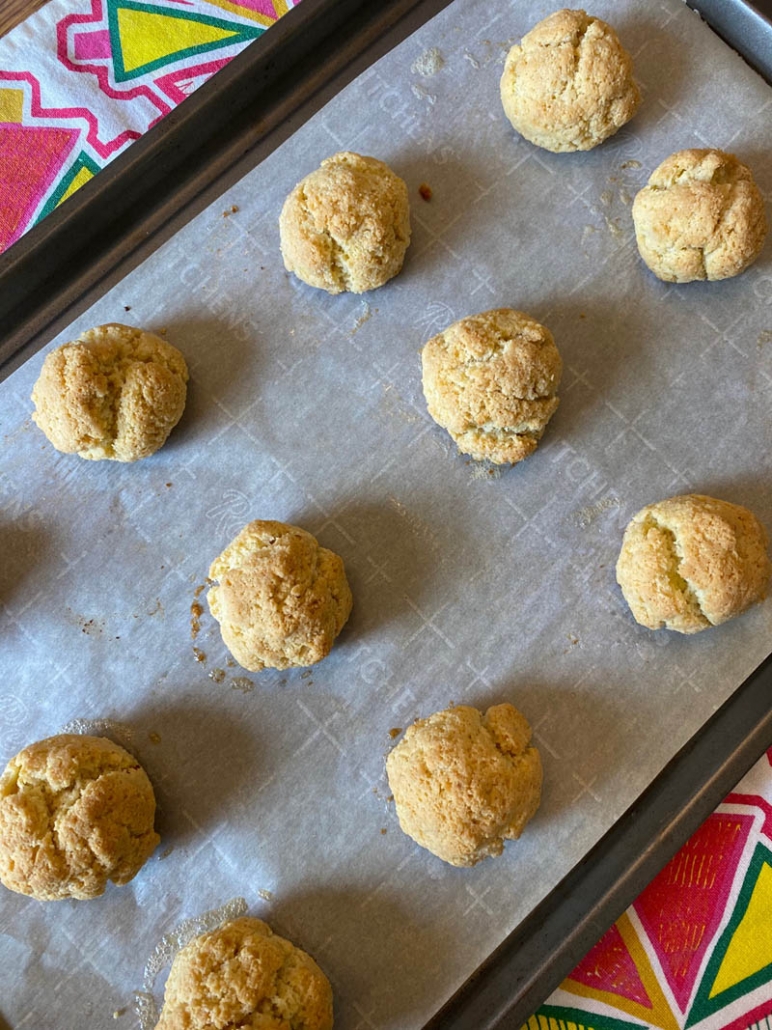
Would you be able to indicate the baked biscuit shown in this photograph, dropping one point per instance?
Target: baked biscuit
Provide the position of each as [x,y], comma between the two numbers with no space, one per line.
[463,782]
[75,812]
[569,85]
[243,975]
[280,598]
[114,393]
[346,226]
[691,562]
[490,380]
[701,216]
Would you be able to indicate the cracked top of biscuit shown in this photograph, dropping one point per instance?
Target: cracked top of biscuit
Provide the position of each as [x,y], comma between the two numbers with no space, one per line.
[701,216]
[569,85]
[280,598]
[490,380]
[346,226]
[244,976]
[691,562]
[115,393]
[75,812]
[464,781]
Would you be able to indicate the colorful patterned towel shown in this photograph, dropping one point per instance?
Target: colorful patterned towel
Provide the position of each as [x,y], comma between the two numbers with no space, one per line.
[78,82]
[695,949]
[81,79]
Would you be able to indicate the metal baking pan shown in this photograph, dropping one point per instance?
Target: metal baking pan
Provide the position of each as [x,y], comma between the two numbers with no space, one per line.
[59,267]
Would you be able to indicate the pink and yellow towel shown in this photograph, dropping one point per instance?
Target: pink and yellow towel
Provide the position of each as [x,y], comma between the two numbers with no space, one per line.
[80,81]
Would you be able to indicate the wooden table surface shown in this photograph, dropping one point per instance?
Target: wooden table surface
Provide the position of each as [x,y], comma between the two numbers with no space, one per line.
[14,11]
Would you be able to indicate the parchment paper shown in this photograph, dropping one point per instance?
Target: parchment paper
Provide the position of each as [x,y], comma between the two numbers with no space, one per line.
[471,585]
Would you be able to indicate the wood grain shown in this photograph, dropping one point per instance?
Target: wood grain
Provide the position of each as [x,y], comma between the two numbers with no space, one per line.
[14,11]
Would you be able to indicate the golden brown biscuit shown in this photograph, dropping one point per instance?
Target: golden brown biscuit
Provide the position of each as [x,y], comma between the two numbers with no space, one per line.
[346,226]
[701,216]
[75,812]
[569,84]
[463,782]
[691,562]
[242,975]
[114,393]
[490,380]
[280,599]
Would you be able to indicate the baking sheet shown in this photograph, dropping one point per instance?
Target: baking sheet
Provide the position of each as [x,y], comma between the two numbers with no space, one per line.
[471,585]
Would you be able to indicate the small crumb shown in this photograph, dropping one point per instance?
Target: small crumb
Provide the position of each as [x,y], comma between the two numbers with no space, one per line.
[395,732]
[365,316]
[265,895]
[168,484]
[582,314]
[166,852]
[127,307]
[246,686]
[118,1013]
[196,611]
[426,191]
[199,655]
[231,663]
[306,675]
[383,830]
[218,675]
[389,798]
[630,164]
[429,63]
[234,208]
[154,738]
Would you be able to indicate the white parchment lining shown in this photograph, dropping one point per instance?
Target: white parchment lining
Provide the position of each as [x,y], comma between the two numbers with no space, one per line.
[470,586]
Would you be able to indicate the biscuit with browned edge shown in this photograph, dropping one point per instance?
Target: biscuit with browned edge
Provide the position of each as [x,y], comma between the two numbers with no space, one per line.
[464,782]
[75,812]
[701,216]
[346,226]
[114,394]
[691,562]
[280,598]
[491,381]
[568,85]
[244,975]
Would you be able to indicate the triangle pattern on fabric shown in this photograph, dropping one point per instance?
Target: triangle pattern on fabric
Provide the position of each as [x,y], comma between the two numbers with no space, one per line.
[264,12]
[682,907]
[742,957]
[31,157]
[178,85]
[630,986]
[561,1017]
[609,968]
[79,173]
[145,37]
